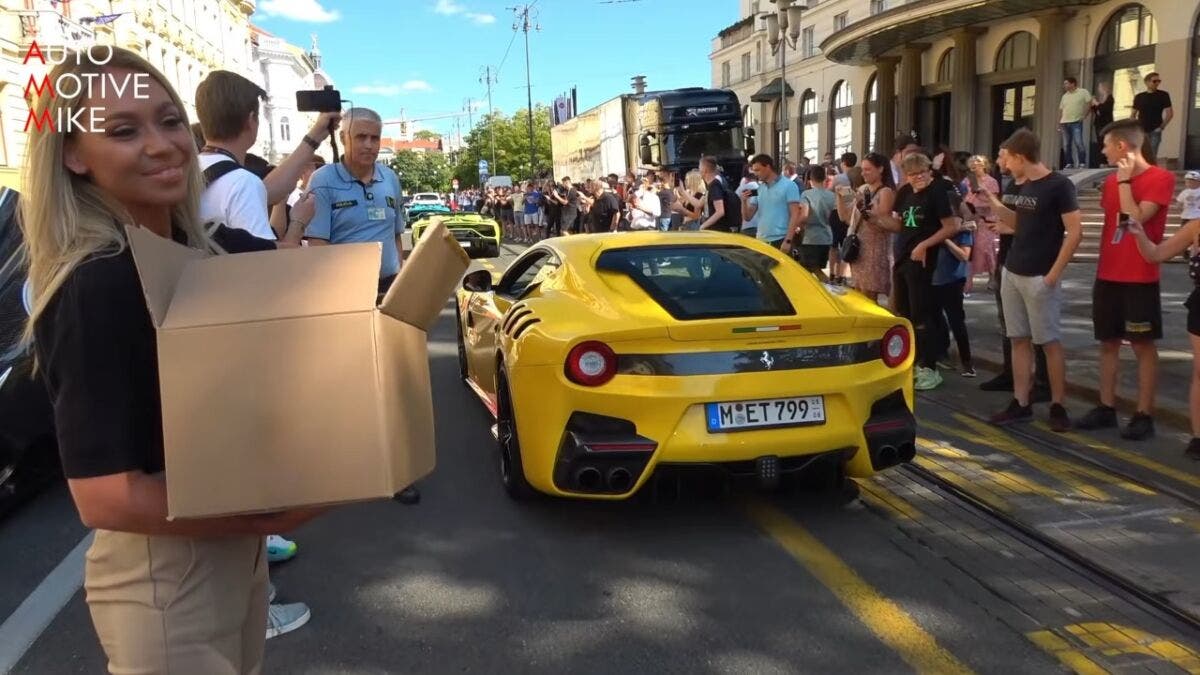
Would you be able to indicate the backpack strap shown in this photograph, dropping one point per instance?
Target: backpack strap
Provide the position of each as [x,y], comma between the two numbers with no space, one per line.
[214,172]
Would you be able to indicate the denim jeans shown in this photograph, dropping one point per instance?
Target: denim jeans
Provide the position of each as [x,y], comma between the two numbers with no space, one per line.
[1155,139]
[1072,141]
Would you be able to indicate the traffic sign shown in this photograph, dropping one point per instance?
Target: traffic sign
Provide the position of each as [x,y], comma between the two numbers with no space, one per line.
[483,166]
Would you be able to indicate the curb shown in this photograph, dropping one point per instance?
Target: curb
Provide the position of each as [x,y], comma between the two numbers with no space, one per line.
[1179,419]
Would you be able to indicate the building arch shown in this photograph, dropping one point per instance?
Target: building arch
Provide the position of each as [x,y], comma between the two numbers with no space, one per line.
[1125,55]
[871,119]
[946,66]
[810,134]
[841,124]
[1017,51]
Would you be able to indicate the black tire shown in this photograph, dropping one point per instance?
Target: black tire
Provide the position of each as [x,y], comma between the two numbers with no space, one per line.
[512,469]
[464,372]
[493,251]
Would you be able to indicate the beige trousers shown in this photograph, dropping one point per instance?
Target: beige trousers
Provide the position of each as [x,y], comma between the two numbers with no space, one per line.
[177,605]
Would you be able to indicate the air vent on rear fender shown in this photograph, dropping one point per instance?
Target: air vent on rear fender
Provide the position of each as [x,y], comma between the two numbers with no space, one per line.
[524,326]
[515,312]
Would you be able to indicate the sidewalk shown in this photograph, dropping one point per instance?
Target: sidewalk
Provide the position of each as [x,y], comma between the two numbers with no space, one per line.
[1174,350]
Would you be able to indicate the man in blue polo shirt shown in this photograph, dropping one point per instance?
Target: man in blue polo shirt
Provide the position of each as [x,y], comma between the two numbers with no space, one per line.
[358,200]
[778,207]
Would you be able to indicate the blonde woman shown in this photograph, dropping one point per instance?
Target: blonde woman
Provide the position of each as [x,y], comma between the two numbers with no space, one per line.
[977,186]
[690,200]
[184,596]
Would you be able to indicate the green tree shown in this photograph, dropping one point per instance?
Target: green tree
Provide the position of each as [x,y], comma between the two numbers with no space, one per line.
[427,135]
[512,146]
[422,171]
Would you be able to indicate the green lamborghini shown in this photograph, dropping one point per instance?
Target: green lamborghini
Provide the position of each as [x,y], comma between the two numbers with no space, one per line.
[479,235]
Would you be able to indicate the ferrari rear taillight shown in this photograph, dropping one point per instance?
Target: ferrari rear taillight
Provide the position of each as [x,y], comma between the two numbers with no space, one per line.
[897,343]
[591,364]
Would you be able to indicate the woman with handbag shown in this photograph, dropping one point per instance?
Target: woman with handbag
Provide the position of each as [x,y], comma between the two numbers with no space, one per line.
[867,245]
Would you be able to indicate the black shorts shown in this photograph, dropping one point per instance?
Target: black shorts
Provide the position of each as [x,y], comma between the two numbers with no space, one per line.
[840,230]
[1126,311]
[1193,307]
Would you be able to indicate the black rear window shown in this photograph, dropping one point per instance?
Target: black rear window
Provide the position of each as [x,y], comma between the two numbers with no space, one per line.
[703,282]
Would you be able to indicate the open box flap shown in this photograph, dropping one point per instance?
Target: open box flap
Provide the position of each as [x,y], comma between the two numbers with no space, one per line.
[268,285]
[429,276]
[160,264]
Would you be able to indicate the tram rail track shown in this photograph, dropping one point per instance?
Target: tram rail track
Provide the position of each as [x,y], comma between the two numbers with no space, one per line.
[1117,582]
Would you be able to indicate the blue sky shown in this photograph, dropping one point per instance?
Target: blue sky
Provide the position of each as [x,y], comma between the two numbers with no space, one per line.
[426,56]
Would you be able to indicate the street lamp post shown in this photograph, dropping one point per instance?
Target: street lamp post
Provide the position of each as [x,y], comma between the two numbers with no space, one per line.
[783,30]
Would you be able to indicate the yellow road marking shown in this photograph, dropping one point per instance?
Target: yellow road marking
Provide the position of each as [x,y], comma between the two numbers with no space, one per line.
[1184,477]
[1060,649]
[1008,480]
[887,620]
[889,501]
[1115,640]
[983,493]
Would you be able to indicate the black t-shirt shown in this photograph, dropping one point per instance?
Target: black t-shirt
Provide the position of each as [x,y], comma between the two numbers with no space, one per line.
[99,360]
[602,212]
[1008,197]
[718,192]
[1150,106]
[921,215]
[572,197]
[1040,205]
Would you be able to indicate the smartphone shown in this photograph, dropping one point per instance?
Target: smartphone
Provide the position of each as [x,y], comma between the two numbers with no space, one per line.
[319,100]
[752,193]
[1122,225]
[973,181]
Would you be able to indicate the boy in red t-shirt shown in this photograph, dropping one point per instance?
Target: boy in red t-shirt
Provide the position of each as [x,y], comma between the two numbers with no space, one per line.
[1125,299]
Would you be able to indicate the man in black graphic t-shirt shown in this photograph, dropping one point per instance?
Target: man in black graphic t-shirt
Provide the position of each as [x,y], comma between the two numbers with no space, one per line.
[1004,381]
[923,217]
[1045,222]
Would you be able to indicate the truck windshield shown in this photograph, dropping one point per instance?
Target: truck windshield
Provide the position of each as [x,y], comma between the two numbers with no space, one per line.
[690,146]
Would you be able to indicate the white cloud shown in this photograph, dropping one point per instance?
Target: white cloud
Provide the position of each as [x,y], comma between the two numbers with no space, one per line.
[452,8]
[391,90]
[308,11]
[376,90]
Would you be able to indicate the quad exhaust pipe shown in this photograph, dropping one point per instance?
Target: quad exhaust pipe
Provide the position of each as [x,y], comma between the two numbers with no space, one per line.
[619,479]
[591,479]
[891,455]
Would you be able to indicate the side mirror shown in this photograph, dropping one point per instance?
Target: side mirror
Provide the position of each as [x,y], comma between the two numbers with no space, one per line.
[479,281]
[750,143]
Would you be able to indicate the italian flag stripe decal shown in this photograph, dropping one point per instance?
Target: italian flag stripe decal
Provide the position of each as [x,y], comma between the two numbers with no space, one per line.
[765,329]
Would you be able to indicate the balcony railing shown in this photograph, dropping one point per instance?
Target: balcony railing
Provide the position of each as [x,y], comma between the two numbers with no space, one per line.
[50,28]
[736,33]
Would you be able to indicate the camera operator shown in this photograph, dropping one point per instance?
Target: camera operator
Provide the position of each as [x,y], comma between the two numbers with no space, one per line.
[227,106]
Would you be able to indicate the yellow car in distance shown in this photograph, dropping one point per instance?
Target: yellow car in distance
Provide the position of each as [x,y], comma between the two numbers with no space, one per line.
[479,235]
[605,357]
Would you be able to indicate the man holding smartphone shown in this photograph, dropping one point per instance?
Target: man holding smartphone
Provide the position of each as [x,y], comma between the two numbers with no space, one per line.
[1125,299]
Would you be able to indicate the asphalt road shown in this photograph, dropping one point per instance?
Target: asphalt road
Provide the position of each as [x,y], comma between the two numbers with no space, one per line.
[469,581]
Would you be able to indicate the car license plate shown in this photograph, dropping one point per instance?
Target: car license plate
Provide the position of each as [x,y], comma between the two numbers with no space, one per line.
[767,413]
[465,244]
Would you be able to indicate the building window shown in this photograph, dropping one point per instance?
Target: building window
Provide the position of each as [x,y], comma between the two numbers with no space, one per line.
[808,43]
[746,66]
[809,127]
[1018,51]
[757,57]
[878,6]
[841,112]
[872,113]
[1131,27]
[839,21]
[782,134]
[946,66]
[285,129]
[725,74]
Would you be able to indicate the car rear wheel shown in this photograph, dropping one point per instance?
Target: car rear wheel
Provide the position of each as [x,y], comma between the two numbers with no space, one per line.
[493,251]
[512,469]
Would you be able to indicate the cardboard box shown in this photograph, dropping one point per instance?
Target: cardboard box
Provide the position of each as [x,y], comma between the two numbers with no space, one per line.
[283,384]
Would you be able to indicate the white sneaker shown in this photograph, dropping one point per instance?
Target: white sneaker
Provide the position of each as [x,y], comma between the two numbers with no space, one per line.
[286,618]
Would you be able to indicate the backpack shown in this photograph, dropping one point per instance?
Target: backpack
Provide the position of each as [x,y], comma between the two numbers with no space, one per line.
[214,173]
